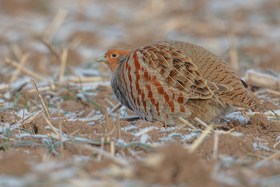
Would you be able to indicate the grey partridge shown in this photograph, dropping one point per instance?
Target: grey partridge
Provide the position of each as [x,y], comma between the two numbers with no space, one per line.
[166,80]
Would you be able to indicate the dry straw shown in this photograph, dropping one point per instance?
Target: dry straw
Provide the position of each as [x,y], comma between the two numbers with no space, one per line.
[63,64]
[102,148]
[60,130]
[118,127]
[215,147]
[200,139]
[187,123]
[115,108]
[24,70]
[48,114]
[23,59]
[51,126]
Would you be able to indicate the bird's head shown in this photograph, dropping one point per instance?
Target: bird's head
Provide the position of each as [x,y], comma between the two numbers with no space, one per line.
[113,57]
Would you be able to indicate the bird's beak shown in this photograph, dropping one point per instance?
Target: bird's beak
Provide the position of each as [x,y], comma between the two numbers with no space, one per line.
[101,59]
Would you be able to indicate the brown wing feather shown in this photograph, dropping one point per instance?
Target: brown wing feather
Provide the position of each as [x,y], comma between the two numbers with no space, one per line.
[178,71]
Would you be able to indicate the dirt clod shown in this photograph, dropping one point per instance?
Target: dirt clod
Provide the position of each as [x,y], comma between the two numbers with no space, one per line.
[177,167]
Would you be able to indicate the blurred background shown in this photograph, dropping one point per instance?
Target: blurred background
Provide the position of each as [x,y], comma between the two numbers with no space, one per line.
[245,34]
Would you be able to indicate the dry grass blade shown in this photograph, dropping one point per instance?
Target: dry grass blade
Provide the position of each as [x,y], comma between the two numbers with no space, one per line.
[37,115]
[277,143]
[46,88]
[254,78]
[74,132]
[41,99]
[273,92]
[118,127]
[63,64]
[16,50]
[215,147]
[187,123]
[117,160]
[102,148]
[109,103]
[75,43]
[201,122]
[199,140]
[115,108]
[178,128]
[107,119]
[31,116]
[23,59]
[86,79]
[51,126]
[91,114]
[50,47]
[60,130]
[274,156]
[265,114]
[2,87]
[24,70]
[111,132]
[56,23]
[90,119]
[112,148]
[233,49]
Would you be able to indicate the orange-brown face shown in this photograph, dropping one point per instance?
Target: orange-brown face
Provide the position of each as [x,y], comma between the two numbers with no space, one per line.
[113,56]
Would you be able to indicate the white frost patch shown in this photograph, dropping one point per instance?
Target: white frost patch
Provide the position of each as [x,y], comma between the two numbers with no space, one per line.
[237,116]
[173,134]
[144,138]
[166,139]
[278,138]
[49,166]
[22,135]
[86,72]
[81,95]
[261,146]
[7,95]
[63,174]
[123,111]
[4,126]
[145,130]
[162,129]
[96,117]
[237,133]
[129,128]
[6,180]
[121,142]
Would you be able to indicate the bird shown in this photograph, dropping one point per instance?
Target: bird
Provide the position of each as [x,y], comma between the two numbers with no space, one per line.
[166,80]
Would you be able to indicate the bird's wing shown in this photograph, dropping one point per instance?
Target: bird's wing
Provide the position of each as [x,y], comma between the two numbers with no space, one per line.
[178,71]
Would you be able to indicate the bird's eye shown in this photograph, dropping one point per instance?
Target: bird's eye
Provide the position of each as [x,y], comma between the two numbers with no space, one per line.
[114,55]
